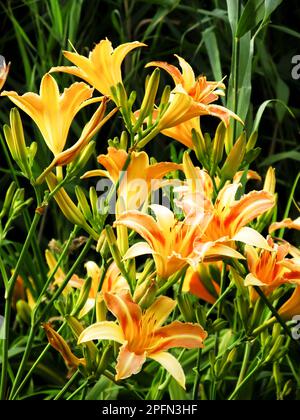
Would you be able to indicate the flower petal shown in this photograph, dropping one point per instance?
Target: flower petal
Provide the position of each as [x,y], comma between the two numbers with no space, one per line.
[179,334]
[105,330]
[250,236]
[172,366]
[140,248]
[126,311]
[160,310]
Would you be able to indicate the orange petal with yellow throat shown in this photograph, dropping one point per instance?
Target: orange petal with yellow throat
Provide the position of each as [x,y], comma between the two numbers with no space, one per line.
[128,363]
[126,311]
[179,334]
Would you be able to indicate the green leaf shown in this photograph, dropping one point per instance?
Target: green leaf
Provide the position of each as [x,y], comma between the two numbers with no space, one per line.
[262,109]
[291,154]
[233,14]
[252,15]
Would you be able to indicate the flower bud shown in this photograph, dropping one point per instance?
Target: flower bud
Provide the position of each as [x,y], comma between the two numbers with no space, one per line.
[24,311]
[145,293]
[149,97]
[234,159]
[252,141]
[217,148]
[186,307]
[101,309]
[200,147]
[81,160]
[8,199]
[83,203]
[83,296]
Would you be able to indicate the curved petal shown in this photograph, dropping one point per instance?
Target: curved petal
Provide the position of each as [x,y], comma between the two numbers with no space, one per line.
[129,363]
[250,236]
[126,311]
[165,218]
[251,280]
[172,366]
[144,225]
[169,68]
[179,334]
[105,330]
[286,223]
[248,208]
[188,74]
[122,50]
[160,310]
[140,248]
[159,170]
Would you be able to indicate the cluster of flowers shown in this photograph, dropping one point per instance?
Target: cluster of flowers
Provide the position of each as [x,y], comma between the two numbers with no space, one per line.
[190,250]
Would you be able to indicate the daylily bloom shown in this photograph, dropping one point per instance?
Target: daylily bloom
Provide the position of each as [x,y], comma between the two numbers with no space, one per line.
[229,216]
[197,280]
[266,267]
[140,177]
[4,69]
[171,242]
[142,335]
[53,112]
[286,223]
[102,69]
[201,92]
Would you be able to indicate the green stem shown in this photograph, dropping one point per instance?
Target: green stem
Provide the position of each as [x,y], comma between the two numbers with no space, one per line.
[29,373]
[67,385]
[45,310]
[197,377]
[8,296]
[84,384]
[244,381]
[245,363]
[273,310]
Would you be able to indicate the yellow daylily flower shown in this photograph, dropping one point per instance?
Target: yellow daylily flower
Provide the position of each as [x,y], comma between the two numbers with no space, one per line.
[230,217]
[140,177]
[53,112]
[4,69]
[201,94]
[142,335]
[102,69]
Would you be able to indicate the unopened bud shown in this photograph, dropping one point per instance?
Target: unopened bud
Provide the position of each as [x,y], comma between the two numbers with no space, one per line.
[217,148]
[234,159]
[83,296]
[186,307]
[24,311]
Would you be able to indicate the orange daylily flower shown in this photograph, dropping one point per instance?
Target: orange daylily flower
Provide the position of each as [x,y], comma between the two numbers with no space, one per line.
[102,69]
[286,223]
[230,217]
[142,335]
[201,92]
[4,69]
[53,112]
[171,242]
[266,267]
[139,179]
[196,281]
